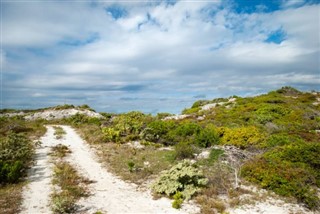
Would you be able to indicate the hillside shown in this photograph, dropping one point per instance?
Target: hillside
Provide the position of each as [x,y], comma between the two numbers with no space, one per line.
[246,155]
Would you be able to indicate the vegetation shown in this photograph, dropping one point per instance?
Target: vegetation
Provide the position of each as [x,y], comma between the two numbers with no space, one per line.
[270,125]
[17,138]
[71,185]
[59,132]
[16,151]
[280,130]
[182,181]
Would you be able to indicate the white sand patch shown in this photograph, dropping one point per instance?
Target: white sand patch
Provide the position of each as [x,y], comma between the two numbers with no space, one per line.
[36,195]
[271,206]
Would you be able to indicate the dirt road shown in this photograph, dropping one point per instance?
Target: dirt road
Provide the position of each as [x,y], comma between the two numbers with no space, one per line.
[109,193]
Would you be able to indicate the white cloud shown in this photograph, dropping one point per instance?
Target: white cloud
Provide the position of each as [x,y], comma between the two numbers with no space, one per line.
[157,50]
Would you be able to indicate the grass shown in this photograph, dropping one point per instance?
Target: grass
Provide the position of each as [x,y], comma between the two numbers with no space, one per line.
[71,186]
[59,132]
[135,165]
[10,198]
[91,133]
[60,151]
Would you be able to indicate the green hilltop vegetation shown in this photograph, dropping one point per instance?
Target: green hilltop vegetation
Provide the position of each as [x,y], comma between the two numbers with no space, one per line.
[279,130]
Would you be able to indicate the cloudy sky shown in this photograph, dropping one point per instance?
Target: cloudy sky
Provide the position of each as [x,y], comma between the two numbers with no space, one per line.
[154,56]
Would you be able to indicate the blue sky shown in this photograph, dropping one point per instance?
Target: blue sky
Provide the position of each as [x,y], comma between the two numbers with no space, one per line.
[154,56]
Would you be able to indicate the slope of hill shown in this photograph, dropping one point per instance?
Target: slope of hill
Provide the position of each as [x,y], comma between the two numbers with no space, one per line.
[262,150]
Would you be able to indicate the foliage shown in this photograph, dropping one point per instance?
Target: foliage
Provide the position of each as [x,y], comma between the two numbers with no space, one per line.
[289,170]
[280,139]
[71,188]
[183,177]
[242,137]
[215,154]
[62,107]
[199,103]
[58,132]
[269,112]
[187,129]
[157,130]
[163,115]
[184,150]
[86,107]
[288,90]
[191,110]
[207,137]
[178,200]
[111,134]
[131,166]
[60,151]
[130,123]
[16,151]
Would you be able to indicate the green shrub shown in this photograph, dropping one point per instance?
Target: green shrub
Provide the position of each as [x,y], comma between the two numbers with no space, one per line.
[269,112]
[187,129]
[178,200]
[184,150]
[199,103]
[131,166]
[183,177]
[207,137]
[111,135]
[16,151]
[242,137]
[184,131]
[289,170]
[156,130]
[284,178]
[163,115]
[278,140]
[191,110]
[130,123]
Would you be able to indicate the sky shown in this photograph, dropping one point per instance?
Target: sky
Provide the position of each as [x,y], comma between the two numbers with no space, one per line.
[154,56]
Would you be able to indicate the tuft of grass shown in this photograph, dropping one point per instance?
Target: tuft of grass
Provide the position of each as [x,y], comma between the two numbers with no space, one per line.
[72,187]
[60,151]
[59,132]
[10,198]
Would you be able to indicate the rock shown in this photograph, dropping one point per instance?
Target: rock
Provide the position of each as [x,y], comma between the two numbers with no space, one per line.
[177,117]
[203,155]
[208,106]
[136,145]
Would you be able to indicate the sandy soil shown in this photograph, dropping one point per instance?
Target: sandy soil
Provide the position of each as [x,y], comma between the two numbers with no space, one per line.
[109,193]
[36,195]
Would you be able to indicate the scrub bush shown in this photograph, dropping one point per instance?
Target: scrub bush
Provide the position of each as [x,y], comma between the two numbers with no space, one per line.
[16,151]
[183,177]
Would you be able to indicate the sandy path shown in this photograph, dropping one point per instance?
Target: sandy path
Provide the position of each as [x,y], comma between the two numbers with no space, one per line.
[36,195]
[109,193]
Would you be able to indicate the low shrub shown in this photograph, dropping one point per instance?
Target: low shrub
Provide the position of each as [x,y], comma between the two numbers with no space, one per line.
[111,135]
[191,110]
[16,151]
[183,177]
[207,137]
[242,137]
[288,170]
[184,150]
[178,200]
[156,130]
